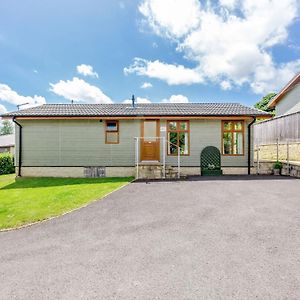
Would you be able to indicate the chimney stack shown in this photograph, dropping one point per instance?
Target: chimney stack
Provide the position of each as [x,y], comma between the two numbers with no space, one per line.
[133,101]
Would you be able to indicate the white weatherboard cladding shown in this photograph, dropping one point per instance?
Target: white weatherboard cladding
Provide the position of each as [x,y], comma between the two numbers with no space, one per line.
[290,103]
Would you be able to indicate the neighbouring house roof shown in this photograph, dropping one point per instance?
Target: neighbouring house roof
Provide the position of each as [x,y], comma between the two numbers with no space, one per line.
[290,85]
[7,140]
[149,109]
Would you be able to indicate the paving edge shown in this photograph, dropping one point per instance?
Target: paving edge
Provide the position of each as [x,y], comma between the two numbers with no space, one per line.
[65,213]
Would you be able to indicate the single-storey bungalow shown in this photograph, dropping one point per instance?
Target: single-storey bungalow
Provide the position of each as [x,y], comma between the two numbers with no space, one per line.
[88,140]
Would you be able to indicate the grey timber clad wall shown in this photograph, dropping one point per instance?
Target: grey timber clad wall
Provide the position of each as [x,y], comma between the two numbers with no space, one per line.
[82,143]
[208,133]
[76,143]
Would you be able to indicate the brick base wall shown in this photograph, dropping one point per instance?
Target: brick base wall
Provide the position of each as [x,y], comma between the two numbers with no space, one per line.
[73,172]
[266,168]
[81,172]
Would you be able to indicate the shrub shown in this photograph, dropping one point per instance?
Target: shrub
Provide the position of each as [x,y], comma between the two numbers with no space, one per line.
[6,164]
[278,165]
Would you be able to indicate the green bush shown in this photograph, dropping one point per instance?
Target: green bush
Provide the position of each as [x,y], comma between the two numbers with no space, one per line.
[278,165]
[6,164]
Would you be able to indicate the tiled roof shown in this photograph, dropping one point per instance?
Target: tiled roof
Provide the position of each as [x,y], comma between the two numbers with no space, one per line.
[151,109]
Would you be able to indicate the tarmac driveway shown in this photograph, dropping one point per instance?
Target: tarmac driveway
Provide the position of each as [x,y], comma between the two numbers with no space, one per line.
[233,238]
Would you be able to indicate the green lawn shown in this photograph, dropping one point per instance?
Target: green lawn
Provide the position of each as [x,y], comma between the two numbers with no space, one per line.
[27,200]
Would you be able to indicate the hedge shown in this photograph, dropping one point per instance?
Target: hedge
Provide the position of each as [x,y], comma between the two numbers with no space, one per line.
[6,164]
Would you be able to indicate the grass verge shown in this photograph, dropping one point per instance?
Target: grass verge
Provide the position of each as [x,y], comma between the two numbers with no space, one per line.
[28,200]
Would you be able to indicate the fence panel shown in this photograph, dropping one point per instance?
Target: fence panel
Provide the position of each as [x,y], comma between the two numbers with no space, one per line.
[278,139]
[281,129]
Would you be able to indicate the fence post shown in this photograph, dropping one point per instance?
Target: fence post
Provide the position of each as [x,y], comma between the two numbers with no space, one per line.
[257,160]
[178,162]
[164,157]
[137,157]
[288,155]
[277,149]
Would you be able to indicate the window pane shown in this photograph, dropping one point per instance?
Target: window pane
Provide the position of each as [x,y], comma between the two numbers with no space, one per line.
[172,139]
[150,131]
[172,125]
[183,143]
[238,143]
[183,126]
[112,126]
[238,126]
[227,125]
[112,137]
[227,138]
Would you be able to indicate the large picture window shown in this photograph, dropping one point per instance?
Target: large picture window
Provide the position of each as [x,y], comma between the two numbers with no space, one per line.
[112,132]
[233,137]
[178,136]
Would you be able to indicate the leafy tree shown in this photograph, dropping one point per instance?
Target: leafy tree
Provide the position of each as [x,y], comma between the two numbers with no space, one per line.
[6,128]
[263,103]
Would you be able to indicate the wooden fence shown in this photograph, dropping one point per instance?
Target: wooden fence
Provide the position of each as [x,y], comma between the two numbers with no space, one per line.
[278,139]
[280,129]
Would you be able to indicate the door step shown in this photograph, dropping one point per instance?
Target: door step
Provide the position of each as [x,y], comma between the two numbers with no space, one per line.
[156,171]
[150,163]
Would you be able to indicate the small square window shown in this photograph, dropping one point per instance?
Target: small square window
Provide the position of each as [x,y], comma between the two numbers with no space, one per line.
[172,125]
[112,132]
[183,126]
[238,126]
[112,137]
[227,125]
[111,126]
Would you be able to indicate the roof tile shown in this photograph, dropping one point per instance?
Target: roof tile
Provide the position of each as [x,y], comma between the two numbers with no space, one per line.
[149,109]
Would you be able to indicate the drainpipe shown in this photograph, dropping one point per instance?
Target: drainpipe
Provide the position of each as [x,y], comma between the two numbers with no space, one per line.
[20,146]
[249,144]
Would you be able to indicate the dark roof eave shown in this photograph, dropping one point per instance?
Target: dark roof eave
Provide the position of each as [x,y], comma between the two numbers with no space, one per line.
[136,116]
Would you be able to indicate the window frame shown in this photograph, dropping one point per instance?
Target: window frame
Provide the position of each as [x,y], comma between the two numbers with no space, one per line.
[232,131]
[110,131]
[178,130]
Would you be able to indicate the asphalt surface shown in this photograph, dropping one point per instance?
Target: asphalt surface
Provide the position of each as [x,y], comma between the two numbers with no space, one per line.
[232,238]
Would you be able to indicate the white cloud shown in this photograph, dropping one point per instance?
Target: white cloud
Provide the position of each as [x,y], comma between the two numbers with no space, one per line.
[138,100]
[146,85]
[171,17]
[225,85]
[79,90]
[86,70]
[229,3]
[172,74]
[230,41]
[10,96]
[3,109]
[176,99]
[270,78]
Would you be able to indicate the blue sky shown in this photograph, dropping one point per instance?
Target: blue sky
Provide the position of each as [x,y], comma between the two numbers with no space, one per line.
[197,51]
